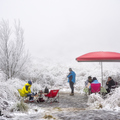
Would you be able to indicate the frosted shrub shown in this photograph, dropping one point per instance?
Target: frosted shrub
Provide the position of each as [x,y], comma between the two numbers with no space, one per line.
[3,104]
[51,83]
[36,87]
[2,76]
[113,100]
[83,74]
[9,93]
[117,78]
[20,106]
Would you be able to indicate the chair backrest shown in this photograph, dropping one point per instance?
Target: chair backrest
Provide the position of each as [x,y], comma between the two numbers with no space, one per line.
[52,93]
[95,87]
[21,94]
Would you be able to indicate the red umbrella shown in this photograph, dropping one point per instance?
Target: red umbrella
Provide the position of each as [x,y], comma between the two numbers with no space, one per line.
[100,57]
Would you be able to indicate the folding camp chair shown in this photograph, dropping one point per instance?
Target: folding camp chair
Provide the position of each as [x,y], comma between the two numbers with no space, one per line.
[95,87]
[23,97]
[53,96]
[20,92]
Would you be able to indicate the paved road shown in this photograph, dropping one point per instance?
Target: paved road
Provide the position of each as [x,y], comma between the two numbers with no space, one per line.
[67,101]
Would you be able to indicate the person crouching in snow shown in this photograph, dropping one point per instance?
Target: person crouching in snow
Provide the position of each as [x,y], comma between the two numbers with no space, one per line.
[71,79]
[26,91]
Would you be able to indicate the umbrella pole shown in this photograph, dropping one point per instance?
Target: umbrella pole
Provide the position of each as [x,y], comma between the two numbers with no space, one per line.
[102,73]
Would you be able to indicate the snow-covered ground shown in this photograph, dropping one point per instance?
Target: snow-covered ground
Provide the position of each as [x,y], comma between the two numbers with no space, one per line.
[53,75]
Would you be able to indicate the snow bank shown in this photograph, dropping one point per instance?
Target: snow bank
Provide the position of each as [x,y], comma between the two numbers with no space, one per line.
[112,102]
[8,92]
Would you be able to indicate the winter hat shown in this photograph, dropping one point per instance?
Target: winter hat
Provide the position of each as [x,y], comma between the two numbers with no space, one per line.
[89,77]
[30,82]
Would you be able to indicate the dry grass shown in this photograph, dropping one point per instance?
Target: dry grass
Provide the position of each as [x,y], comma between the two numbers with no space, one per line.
[48,117]
[58,108]
[100,106]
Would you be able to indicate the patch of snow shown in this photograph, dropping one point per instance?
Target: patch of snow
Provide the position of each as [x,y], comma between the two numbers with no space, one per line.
[112,102]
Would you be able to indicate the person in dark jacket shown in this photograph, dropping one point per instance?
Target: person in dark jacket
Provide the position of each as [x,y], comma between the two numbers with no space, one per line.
[110,82]
[71,79]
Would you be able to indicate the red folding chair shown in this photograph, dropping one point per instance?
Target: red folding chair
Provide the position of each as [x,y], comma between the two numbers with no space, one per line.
[95,87]
[53,96]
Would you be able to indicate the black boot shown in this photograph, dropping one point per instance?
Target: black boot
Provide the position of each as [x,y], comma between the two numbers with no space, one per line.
[1,114]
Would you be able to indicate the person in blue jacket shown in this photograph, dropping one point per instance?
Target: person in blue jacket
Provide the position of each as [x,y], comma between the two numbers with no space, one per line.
[71,79]
[94,81]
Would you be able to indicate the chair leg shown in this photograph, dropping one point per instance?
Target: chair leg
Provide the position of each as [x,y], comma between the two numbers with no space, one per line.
[47,100]
[89,91]
[55,99]
[58,96]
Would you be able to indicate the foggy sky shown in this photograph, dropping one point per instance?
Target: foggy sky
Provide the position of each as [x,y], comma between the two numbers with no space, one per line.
[66,28]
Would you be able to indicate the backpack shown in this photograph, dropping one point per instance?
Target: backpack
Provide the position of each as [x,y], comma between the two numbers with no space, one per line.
[46,90]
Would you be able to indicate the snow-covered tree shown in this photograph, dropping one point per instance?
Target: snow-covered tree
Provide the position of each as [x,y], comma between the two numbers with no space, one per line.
[13,57]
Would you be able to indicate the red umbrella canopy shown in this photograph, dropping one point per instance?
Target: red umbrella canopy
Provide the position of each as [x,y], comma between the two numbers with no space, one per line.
[99,57]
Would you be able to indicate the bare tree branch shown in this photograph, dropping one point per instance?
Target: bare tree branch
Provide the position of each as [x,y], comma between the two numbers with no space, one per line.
[13,57]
